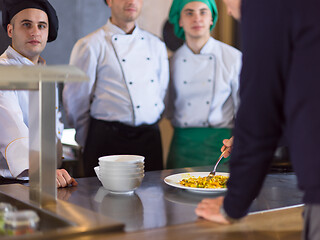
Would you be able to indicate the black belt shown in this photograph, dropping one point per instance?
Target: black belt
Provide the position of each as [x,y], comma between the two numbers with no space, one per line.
[123,126]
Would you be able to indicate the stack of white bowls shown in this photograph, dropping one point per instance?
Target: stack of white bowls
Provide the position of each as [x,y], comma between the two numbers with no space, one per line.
[120,173]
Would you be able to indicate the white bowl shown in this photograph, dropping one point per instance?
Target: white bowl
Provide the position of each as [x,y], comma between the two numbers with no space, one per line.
[131,174]
[120,164]
[112,175]
[128,159]
[120,184]
[116,178]
[121,170]
[116,174]
[96,170]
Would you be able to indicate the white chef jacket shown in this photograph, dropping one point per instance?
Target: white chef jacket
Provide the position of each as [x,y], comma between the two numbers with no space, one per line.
[204,87]
[129,74]
[14,142]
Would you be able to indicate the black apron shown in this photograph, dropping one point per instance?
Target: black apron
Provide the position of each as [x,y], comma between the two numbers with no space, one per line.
[112,138]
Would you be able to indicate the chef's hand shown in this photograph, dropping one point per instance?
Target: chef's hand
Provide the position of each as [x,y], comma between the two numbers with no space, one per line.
[64,179]
[65,193]
[209,209]
[227,145]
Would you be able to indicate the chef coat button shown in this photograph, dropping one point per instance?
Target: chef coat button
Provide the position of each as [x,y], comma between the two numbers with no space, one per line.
[208,102]
[184,60]
[156,104]
[138,106]
[209,80]
[185,82]
[148,58]
[189,104]
[186,124]
[130,83]
[210,58]
[115,39]
[142,38]
[152,80]
[123,60]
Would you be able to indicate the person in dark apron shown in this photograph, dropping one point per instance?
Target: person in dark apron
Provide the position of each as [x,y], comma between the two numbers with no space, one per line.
[118,110]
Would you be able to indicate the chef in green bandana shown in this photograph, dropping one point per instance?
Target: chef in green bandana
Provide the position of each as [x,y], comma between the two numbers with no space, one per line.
[203,94]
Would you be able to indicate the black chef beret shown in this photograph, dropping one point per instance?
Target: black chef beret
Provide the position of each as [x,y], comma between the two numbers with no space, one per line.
[11,7]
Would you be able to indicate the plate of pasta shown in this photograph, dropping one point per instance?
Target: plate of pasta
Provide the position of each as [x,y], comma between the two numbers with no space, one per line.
[197,182]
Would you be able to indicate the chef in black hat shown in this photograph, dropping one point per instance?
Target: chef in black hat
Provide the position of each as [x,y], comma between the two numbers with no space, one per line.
[14,21]
[30,24]
[12,7]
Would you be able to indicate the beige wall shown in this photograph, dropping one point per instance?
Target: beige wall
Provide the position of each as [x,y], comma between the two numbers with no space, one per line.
[154,14]
[224,29]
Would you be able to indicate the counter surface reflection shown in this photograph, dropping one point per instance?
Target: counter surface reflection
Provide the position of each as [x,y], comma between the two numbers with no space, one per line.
[155,204]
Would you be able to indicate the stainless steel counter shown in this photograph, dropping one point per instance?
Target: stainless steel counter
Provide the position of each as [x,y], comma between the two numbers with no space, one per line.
[155,204]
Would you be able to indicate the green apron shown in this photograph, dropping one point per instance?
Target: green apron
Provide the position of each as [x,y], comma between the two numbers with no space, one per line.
[192,147]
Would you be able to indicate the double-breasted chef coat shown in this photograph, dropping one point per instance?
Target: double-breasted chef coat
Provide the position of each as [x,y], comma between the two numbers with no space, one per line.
[129,75]
[14,142]
[204,87]
[203,93]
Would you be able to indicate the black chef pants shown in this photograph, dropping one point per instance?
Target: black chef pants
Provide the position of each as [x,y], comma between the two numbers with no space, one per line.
[110,138]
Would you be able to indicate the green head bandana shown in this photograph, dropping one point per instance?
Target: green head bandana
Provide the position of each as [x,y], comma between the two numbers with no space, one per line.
[178,5]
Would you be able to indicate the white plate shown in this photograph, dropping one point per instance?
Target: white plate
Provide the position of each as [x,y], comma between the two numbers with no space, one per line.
[173,180]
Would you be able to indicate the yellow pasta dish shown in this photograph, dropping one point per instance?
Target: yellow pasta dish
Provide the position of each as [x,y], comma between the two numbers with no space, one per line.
[202,182]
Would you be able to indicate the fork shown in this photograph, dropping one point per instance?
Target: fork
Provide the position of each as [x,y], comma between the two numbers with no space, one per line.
[213,172]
